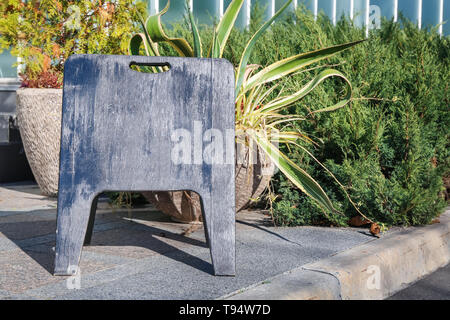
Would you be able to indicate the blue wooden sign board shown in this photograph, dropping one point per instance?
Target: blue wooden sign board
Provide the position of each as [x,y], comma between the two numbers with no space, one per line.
[118,128]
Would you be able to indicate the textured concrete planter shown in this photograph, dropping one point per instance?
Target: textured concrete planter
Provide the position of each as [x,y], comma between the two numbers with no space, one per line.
[39,117]
[252,176]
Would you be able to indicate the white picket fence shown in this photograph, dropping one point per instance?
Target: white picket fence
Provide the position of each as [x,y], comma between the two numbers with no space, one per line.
[366,13]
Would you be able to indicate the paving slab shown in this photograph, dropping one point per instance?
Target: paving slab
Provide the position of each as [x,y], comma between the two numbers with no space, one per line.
[142,254]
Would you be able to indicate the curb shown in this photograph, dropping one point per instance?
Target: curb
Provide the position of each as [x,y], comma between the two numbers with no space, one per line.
[374,270]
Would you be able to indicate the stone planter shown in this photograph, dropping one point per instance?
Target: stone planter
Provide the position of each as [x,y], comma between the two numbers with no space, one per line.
[251,180]
[181,206]
[39,118]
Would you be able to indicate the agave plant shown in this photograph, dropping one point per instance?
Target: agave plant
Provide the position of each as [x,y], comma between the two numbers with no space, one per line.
[258,115]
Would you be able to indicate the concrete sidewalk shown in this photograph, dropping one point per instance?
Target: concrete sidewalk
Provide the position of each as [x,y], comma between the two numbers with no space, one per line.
[141,254]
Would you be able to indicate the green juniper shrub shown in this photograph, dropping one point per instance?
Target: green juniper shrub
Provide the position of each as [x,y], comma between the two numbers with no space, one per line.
[390,148]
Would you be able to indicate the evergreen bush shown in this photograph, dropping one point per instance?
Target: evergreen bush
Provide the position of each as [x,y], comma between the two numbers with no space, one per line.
[390,148]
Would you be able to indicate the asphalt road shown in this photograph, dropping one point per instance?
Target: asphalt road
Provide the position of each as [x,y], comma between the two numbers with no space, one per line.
[434,287]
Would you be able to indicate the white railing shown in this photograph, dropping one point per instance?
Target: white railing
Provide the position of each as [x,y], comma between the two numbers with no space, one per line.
[361,9]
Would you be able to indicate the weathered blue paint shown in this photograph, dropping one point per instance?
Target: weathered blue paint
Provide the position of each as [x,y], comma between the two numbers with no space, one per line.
[116,135]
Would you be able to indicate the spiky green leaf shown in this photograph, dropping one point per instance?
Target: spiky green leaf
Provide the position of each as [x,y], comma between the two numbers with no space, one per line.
[292,64]
[250,45]
[134,46]
[156,32]
[290,99]
[227,22]
[198,50]
[299,177]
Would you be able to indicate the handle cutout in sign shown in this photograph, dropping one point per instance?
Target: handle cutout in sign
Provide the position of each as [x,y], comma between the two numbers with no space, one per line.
[150,67]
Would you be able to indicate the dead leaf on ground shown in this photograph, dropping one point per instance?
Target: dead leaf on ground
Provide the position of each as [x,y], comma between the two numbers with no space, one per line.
[358,221]
[436,221]
[375,230]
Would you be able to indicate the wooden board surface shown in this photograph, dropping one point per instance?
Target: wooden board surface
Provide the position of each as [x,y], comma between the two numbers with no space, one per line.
[119,130]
